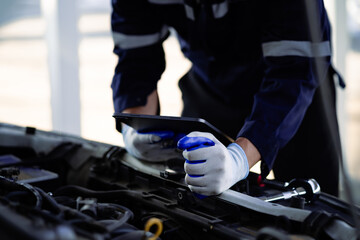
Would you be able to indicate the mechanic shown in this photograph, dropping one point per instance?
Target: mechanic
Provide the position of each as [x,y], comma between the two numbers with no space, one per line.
[253,76]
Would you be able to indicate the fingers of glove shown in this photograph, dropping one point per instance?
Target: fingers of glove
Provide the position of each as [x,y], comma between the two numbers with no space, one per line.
[199,190]
[212,153]
[206,135]
[204,191]
[143,138]
[199,181]
[162,134]
[198,168]
[148,136]
[206,187]
[202,134]
[171,142]
[193,143]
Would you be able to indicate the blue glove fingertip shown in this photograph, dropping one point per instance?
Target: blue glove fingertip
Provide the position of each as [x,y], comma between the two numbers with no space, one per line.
[200,196]
[193,143]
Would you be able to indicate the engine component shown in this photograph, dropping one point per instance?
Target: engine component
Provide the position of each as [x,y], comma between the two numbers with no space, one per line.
[101,192]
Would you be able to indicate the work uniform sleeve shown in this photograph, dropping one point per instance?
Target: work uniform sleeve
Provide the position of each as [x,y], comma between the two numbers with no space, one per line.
[138,34]
[290,80]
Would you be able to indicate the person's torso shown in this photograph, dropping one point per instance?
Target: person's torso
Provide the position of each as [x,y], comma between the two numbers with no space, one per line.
[222,38]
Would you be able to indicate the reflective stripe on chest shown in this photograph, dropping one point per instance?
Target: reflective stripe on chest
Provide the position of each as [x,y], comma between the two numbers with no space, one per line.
[219,9]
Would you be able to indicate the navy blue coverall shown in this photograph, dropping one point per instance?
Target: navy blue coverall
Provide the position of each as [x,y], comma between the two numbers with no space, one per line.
[253,75]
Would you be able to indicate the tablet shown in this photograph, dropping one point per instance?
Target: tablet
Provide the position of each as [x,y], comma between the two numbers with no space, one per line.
[183,125]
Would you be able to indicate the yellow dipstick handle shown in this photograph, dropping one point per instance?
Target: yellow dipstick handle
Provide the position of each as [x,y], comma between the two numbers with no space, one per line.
[150,223]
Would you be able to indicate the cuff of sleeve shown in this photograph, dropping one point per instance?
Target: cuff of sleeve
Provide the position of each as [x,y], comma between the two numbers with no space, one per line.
[264,139]
[240,155]
[122,102]
[127,96]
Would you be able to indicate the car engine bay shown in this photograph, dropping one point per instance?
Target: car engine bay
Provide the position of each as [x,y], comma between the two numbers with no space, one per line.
[59,186]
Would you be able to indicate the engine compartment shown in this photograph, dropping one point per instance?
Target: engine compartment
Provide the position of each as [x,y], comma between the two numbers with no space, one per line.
[58,186]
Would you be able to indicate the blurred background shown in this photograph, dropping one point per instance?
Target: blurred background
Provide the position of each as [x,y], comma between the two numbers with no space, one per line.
[56,67]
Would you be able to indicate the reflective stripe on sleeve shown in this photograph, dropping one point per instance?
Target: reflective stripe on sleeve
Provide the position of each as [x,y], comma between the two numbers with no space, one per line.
[296,48]
[189,11]
[220,9]
[166,1]
[125,41]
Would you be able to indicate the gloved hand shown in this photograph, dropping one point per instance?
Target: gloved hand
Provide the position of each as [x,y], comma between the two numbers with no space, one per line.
[156,146]
[210,167]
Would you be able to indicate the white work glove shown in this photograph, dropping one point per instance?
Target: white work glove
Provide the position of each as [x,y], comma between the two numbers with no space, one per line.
[210,167]
[157,146]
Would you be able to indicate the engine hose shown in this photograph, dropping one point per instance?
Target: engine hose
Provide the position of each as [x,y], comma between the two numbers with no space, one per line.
[126,214]
[54,206]
[7,184]
[149,200]
[75,191]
